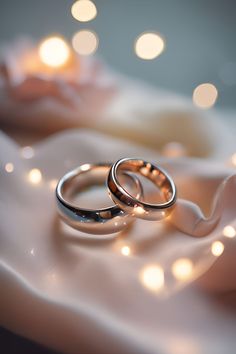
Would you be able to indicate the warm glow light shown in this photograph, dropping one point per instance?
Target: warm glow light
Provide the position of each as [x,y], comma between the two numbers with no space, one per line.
[182,345]
[152,277]
[85,167]
[35,176]
[229,231]
[125,250]
[139,210]
[9,167]
[233,159]
[182,268]
[217,248]
[27,152]
[54,52]
[149,45]
[174,149]
[85,42]
[84,10]
[205,95]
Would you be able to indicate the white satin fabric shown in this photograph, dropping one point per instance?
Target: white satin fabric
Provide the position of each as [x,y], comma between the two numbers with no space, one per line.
[78,295]
[122,294]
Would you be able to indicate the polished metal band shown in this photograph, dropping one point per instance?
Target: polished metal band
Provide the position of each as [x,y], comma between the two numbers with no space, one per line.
[133,205]
[98,221]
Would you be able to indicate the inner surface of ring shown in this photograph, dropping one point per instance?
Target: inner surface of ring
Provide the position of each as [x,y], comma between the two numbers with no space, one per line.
[99,221]
[82,180]
[149,171]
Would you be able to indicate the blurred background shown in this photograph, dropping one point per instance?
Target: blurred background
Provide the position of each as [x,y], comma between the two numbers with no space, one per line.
[199,38]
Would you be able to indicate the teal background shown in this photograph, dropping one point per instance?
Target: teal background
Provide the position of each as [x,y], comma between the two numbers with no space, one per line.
[200,37]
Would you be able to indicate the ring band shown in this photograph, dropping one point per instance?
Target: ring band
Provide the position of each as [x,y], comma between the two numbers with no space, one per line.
[99,221]
[134,205]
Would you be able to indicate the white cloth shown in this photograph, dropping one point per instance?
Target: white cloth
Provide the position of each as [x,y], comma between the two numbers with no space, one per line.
[85,296]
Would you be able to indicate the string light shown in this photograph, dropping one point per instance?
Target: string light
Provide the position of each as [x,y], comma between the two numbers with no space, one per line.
[229,231]
[205,95]
[27,152]
[54,52]
[217,248]
[233,159]
[152,277]
[84,10]
[125,250]
[85,42]
[149,45]
[182,268]
[35,176]
[9,167]
[138,210]
[174,149]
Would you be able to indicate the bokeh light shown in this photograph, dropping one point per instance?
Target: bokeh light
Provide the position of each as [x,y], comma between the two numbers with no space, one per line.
[217,248]
[149,45]
[174,149]
[35,176]
[54,52]
[138,210]
[182,268]
[125,250]
[27,152]
[233,159]
[205,95]
[84,10]
[85,42]
[9,167]
[229,231]
[152,277]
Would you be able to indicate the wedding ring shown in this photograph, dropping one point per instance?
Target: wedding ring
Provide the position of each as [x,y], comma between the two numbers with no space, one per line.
[132,204]
[98,221]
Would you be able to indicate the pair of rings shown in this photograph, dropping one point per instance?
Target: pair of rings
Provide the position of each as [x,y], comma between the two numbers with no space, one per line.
[126,206]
